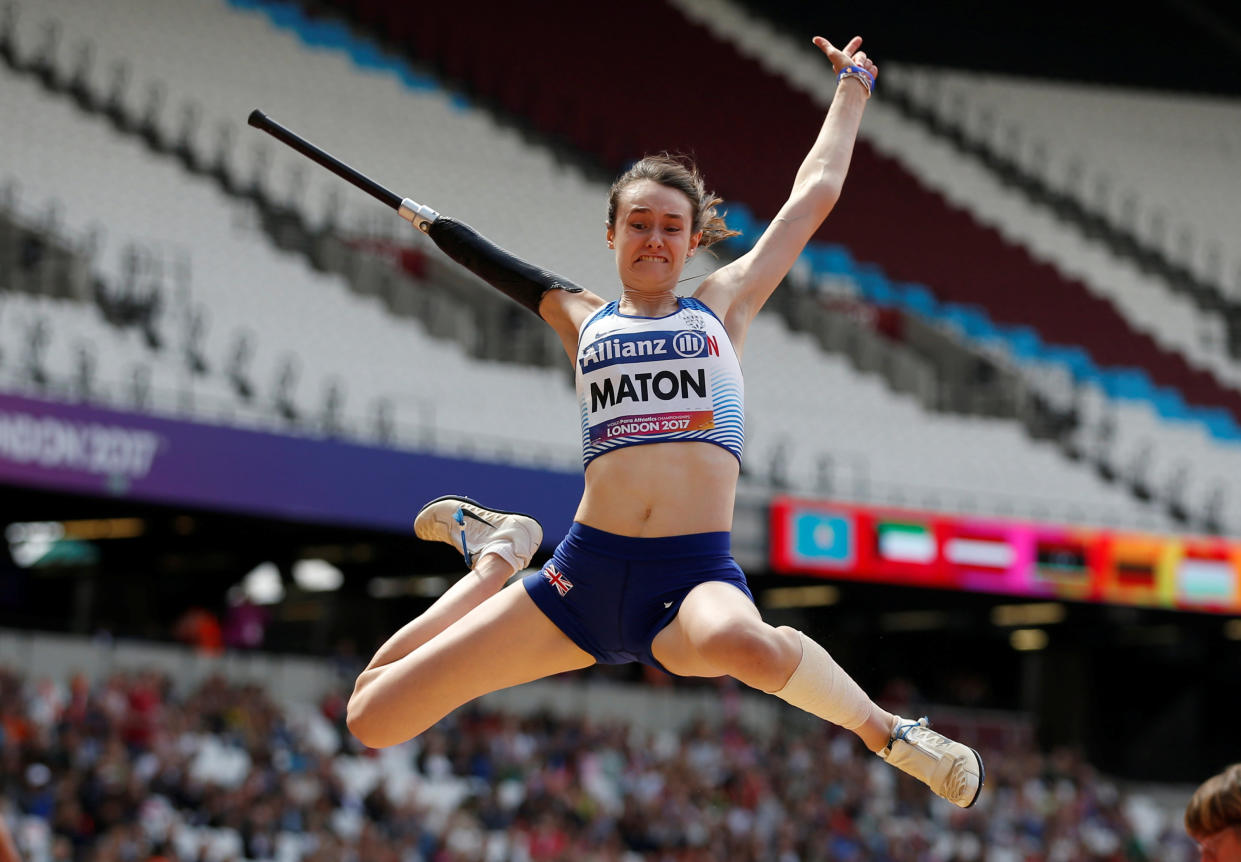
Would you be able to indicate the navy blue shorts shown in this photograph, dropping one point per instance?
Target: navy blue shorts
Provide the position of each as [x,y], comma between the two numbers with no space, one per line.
[612,594]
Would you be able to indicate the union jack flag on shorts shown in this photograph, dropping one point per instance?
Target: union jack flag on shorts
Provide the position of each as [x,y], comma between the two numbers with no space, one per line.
[558,580]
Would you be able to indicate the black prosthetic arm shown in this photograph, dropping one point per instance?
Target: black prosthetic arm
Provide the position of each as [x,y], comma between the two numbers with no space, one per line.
[516,279]
[511,276]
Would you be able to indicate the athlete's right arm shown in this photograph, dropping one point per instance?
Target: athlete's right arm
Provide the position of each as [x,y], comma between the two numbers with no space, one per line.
[557,300]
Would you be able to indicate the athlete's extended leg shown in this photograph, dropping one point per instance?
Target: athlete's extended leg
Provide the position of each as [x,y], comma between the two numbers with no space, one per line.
[718,631]
[503,642]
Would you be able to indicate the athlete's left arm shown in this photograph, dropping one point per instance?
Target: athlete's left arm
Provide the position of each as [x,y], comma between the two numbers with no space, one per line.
[737,291]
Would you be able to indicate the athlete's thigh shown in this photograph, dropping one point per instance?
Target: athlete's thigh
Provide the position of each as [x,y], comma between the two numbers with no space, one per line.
[709,607]
[503,642]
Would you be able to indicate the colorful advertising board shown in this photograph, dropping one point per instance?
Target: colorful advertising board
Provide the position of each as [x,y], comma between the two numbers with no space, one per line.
[1004,557]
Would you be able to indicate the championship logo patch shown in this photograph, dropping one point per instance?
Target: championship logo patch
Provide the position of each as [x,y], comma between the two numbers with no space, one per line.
[556,579]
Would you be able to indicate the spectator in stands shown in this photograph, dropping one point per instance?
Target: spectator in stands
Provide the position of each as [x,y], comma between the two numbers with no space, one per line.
[1213,816]
[245,623]
[200,628]
[648,553]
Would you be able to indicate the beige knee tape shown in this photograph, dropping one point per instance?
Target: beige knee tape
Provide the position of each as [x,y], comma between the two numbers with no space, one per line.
[821,687]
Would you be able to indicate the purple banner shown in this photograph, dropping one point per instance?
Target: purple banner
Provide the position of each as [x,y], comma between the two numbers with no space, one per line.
[99,452]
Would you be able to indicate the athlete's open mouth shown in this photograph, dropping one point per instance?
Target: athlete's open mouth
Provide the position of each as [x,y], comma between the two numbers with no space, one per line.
[650,258]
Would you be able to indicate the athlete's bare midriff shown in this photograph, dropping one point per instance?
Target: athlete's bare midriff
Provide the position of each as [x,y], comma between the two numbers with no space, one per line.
[661,489]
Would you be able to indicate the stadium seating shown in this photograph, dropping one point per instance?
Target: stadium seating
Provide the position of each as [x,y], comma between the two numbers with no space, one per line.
[241,283]
[1123,154]
[887,448]
[1095,145]
[1183,451]
[329,334]
[221,59]
[897,222]
[1176,323]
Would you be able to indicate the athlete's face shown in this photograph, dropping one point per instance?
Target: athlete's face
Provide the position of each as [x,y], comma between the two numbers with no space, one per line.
[653,235]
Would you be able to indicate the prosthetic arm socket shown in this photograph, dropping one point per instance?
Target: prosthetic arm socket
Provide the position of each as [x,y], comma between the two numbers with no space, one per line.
[510,275]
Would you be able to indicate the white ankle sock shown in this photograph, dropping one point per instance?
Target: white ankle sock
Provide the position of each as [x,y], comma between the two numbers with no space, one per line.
[821,687]
[503,549]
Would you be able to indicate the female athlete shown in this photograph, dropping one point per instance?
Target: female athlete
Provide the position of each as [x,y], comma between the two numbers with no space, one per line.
[645,572]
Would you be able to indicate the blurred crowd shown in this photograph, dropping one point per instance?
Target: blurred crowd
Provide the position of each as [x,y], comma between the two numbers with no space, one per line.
[126,769]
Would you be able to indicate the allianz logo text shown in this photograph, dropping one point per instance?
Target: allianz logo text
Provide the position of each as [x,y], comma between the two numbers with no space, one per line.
[647,347]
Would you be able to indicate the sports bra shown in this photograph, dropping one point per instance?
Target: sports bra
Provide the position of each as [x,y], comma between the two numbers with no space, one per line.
[656,379]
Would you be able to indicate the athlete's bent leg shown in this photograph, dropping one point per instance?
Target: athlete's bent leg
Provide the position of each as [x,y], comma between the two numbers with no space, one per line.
[505,641]
[486,579]
[495,545]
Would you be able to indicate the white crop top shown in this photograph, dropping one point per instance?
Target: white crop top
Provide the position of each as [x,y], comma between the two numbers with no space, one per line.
[655,379]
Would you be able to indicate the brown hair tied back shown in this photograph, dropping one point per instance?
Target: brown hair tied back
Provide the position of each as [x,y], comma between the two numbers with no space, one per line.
[677,172]
[1216,804]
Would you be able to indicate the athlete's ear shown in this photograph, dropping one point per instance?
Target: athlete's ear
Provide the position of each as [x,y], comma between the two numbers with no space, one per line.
[611,235]
[693,242]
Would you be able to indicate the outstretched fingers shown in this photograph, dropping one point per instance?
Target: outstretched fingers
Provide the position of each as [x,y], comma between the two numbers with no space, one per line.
[850,55]
[833,53]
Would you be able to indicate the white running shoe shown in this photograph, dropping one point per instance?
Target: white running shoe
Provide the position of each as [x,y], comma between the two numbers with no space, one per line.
[475,530]
[952,770]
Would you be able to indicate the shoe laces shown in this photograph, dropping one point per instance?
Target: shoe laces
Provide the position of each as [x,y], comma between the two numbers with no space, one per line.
[459,517]
[904,730]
